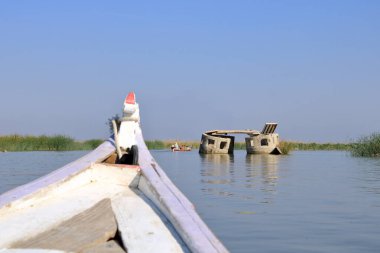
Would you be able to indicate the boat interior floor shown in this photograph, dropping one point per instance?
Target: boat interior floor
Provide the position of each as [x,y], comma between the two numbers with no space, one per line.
[100,209]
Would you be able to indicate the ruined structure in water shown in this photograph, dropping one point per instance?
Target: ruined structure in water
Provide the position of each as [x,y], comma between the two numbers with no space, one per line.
[222,142]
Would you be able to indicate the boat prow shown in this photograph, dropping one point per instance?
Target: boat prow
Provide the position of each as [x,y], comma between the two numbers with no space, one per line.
[95,205]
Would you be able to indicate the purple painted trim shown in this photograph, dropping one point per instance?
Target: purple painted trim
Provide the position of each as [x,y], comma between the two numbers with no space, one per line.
[101,152]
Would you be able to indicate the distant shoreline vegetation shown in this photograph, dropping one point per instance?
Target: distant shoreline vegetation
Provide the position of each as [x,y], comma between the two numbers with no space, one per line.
[286,146]
[368,146]
[17,142]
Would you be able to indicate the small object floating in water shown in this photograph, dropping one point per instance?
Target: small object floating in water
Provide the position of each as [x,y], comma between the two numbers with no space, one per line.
[176,148]
[116,197]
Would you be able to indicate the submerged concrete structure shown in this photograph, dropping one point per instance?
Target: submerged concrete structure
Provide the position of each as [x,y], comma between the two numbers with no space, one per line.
[265,142]
[213,142]
[222,142]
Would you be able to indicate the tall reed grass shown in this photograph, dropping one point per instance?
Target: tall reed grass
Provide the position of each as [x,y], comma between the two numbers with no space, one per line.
[367,146]
[239,145]
[318,146]
[44,143]
[287,146]
[156,144]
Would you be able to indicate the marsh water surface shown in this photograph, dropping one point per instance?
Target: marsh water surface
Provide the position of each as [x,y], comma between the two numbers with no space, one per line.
[318,201]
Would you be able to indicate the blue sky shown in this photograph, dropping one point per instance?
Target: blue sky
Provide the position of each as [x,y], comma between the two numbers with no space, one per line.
[311,66]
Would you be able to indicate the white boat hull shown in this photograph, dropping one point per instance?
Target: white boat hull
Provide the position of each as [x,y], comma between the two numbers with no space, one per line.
[151,214]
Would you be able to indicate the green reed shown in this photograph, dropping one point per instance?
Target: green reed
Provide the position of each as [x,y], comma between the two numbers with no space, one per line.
[17,142]
[367,146]
[318,146]
[285,147]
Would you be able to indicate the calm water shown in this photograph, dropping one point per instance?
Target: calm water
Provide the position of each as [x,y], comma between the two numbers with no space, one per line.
[304,202]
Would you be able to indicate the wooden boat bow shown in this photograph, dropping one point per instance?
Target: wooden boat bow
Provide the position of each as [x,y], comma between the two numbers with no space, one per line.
[151,213]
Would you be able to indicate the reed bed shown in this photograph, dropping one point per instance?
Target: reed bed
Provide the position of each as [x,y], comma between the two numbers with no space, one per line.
[155,144]
[44,143]
[288,146]
[320,146]
[367,146]
[285,146]
[239,146]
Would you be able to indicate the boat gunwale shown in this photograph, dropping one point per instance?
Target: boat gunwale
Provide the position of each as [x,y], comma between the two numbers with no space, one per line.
[176,207]
[193,230]
[59,175]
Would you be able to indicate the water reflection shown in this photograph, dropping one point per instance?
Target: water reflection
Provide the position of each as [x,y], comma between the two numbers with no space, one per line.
[369,176]
[227,175]
[217,168]
[263,165]
[309,201]
[326,202]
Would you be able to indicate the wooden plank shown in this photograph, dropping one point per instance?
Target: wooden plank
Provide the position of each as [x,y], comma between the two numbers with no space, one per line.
[142,228]
[95,225]
[106,247]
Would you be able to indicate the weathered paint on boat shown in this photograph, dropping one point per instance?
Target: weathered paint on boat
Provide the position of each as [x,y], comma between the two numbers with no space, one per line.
[152,214]
[59,175]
